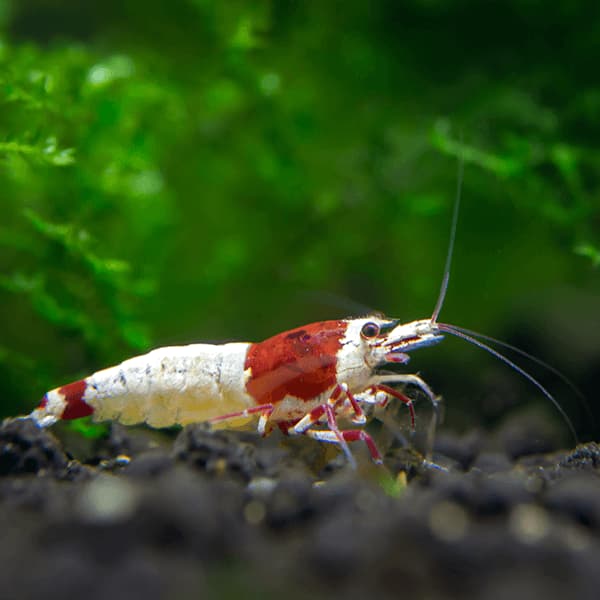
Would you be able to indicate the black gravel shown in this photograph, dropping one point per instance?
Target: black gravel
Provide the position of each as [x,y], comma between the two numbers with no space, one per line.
[213,514]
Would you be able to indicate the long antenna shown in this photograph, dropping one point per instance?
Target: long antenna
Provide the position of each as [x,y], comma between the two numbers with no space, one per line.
[446,277]
[580,395]
[456,332]
[475,338]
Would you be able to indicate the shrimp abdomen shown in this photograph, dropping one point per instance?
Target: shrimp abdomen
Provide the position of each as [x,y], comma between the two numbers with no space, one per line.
[167,386]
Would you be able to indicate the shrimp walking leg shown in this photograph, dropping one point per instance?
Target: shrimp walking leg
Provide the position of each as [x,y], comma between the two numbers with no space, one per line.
[264,410]
[408,379]
[350,435]
[386,389]
[327,412]
[337,397]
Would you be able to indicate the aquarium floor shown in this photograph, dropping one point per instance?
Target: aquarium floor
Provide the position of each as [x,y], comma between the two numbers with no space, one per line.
[201,514]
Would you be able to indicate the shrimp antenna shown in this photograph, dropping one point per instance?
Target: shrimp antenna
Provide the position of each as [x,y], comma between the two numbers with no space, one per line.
[471,340]
[446,277]
[535,359]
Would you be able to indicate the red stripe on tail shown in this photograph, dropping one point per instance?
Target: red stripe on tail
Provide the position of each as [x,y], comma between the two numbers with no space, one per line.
[75,406]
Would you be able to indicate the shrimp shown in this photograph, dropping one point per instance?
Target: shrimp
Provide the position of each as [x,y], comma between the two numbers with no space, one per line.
[294,379]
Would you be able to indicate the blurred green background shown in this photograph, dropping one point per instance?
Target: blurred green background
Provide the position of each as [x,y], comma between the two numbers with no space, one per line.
[197,170]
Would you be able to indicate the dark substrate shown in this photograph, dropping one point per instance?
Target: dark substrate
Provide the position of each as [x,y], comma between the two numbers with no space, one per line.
[205,514]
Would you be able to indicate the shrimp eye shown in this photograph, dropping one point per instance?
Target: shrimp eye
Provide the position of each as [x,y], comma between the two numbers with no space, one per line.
[369,330]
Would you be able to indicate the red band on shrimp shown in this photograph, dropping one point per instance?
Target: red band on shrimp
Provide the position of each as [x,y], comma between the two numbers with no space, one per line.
[299,363]
[75,407]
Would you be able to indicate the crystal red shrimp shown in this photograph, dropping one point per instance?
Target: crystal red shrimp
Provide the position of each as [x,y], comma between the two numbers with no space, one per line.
[302,380]
[295,379]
